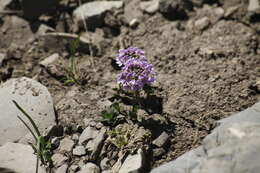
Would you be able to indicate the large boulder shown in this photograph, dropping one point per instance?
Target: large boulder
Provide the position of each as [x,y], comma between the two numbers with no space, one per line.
[32,97]
[16,157]
[234,146]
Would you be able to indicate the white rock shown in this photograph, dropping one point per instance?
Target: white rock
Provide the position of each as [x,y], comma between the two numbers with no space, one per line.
[93,12]
[202,23]
[4,3]
[253,6]
[150,6]
[62,169]
[161,140]
[18,158]
[34,98]
[79,151]
[59,159]
[66,144]
[133,163]
[90,168]
[49,60]
[88,134]
[95,145]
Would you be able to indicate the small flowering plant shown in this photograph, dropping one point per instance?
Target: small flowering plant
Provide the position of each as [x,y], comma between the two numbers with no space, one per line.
[136,75]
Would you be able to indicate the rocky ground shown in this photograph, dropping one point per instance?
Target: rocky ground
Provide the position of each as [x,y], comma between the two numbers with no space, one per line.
[205,54]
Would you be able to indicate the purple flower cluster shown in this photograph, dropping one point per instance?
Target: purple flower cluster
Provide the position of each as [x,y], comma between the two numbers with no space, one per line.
[130,53]
[136,71]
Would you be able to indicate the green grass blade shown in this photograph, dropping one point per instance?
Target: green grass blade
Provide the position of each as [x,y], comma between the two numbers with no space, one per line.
[28,116]
[34,136]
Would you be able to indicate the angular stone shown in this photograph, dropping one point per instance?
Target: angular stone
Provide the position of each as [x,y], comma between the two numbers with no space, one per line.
[79,151]
[150,6]
[90,168]
[18,158]
[234,146]
[66,144]
[253,6]
[95,145]
[161,140]
[49,60]
[202,23]
[93,12]
[4,3]
[34,98]
[157,152]
[62,169]
[88,134]
[59,159]
[133,163]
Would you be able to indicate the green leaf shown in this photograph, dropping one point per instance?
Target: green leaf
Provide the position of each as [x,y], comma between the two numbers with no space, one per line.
[107,116]
[116,107]
[29,118]
[34,136]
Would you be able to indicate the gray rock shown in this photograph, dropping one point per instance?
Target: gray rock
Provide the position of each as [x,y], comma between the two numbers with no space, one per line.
[33,9]
[18,158]
[88,134]
[133,163]
[150,6]
[49,60]
[58,159]
[95,145]
[253,6]
[27,139]
[75,137]
[43,29]
[34,98]
[183,164]
[93,12]
[15,27]
[74,168]
[79,151]
[161,140]
[4,3]
[66,144]
[62,169]
[231,10]
[158,152]
[234,146]
[132,11]
[90,168]
[202,24]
